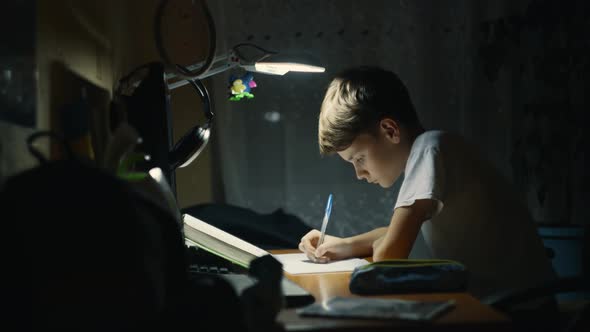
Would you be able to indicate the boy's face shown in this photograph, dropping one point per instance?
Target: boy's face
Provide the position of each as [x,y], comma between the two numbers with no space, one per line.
[379,158]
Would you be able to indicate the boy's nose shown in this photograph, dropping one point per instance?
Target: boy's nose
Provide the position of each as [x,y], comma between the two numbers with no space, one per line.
[360,174]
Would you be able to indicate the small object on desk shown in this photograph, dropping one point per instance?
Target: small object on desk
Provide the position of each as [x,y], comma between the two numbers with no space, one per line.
[263,301]
[376,308]
[396,276]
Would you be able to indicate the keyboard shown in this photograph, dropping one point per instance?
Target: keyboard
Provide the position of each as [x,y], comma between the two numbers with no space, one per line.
[203,262]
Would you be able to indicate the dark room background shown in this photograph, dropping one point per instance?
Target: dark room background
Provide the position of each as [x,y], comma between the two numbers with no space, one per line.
[511,76]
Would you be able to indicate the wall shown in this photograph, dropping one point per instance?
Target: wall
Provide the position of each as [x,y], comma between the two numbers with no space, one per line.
[17,85]
[93,44]
[537,61]
[185,37]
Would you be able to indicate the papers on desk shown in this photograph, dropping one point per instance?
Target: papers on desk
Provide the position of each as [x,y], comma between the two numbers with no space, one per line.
[299,264]
[376,308]
[218,242]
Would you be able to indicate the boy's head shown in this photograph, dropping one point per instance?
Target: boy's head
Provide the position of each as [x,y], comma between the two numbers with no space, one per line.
[368,111]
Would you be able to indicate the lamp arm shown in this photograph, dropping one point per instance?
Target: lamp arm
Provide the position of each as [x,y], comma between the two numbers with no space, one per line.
[218,58]
[220,64]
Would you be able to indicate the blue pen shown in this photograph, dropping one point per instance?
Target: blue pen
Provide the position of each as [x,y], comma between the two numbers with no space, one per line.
[325,221]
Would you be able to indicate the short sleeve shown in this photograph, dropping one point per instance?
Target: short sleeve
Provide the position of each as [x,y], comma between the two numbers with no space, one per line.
[424,178]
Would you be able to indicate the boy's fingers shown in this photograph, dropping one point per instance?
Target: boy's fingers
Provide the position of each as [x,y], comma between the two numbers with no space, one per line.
[320,251]
[322,260]
[307,242]
[317,259]
[306,247]
[320,254]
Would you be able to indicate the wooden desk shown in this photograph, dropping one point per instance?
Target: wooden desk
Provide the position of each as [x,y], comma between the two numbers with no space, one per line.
[469,313]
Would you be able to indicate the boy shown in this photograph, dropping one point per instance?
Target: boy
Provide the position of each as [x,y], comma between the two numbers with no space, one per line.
[464,208]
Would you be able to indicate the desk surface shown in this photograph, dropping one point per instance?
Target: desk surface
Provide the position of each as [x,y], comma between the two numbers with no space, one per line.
[469,313]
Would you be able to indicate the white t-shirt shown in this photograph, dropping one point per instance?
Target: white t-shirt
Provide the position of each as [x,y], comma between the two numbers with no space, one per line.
[480,221]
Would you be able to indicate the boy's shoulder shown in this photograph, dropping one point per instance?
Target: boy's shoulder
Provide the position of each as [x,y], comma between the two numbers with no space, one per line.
[430,139]
[440,140]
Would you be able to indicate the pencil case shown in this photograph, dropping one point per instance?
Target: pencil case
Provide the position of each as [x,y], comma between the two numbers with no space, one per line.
[409,276]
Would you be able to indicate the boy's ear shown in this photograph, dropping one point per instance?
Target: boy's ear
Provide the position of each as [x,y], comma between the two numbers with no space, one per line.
[390,128]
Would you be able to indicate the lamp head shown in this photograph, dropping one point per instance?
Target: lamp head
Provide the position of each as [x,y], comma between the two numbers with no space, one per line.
[280,64]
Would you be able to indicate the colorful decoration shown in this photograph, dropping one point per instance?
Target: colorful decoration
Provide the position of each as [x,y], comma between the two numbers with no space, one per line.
[240,87]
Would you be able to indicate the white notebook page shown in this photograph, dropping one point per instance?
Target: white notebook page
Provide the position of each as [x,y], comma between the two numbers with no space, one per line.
[299,264]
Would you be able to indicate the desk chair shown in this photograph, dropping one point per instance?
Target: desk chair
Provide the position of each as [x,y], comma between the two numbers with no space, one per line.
[545,315]
[548,316]
[552,317]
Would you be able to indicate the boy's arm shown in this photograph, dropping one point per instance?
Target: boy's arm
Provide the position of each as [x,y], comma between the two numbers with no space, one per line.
[335,248]
[362,245]
[405,224]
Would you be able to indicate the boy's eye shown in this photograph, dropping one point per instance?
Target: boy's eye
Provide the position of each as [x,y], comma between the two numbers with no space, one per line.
[360,160]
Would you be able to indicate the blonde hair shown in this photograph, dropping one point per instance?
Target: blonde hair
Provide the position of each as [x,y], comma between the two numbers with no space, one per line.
[354,103]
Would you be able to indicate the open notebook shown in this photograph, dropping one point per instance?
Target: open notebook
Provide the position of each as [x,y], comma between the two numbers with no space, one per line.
[240,252]
[211,239]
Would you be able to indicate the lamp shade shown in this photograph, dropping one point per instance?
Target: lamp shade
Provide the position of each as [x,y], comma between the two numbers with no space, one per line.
[280,64]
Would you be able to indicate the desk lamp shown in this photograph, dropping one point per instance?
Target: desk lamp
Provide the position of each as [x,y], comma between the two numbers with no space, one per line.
[190,145]
[270,63]
[149,110]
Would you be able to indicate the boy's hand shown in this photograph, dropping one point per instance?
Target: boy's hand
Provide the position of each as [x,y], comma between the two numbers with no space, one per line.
[333,247]
[308,245]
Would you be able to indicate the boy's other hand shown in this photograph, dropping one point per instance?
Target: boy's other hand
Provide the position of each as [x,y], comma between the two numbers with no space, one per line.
[333,247]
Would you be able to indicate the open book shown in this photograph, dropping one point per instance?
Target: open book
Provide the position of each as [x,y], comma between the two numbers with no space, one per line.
[218,242]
